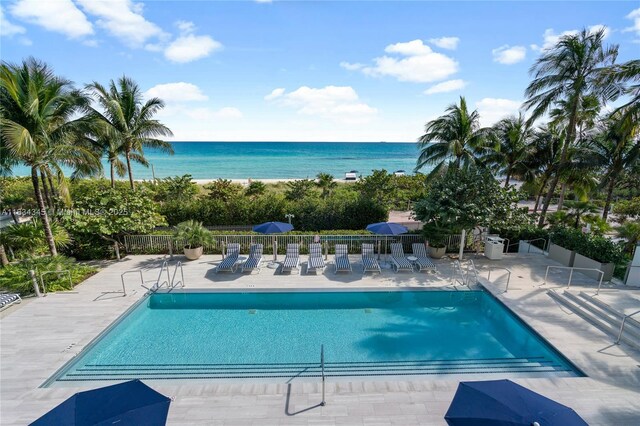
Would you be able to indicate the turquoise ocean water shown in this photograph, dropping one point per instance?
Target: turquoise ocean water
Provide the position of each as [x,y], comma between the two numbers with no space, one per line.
[273,160]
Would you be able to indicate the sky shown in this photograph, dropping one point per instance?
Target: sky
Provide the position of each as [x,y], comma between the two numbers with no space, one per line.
[305,70]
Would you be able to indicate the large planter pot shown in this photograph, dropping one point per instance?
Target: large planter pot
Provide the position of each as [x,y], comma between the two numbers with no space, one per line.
[586,262]
[561,254]
[193,253]
[437,252]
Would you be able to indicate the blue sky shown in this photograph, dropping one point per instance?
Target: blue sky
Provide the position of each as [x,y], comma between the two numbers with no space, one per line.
[307,71]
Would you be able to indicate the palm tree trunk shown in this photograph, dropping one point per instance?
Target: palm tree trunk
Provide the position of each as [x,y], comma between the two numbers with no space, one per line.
[113,179]
[130,171]
[54,192]
[507,178]
[13,215]
[563,190]
[607,204]
[43,212]
[45,190]
[4,261]
[544,183]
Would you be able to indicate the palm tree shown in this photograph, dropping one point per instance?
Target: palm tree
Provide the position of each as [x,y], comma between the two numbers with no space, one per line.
[513,147]
[131,120]
[615,148]
[454,138]
[547,142]
[569,72]
[326,184]
[578,209]
[37,125]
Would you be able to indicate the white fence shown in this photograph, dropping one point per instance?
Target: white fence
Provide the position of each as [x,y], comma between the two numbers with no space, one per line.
[164,244]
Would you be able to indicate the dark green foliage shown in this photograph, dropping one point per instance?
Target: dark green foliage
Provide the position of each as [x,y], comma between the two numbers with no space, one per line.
[525,233]
[598,248]
[299,189]
[15,277]
[223,189]
[255,188]
[178,188]
[626,209]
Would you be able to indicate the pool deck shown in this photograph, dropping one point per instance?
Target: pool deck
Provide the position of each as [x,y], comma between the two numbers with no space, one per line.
[38,336]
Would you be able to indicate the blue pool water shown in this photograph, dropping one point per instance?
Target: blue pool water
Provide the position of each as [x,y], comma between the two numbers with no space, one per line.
[234,335]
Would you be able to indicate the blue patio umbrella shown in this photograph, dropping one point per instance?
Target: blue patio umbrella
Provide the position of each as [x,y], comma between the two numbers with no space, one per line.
[504,403]
[128,403]
[387,228]
[273,228]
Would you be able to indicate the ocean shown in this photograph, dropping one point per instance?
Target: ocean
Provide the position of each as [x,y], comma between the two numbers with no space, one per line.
[272,160]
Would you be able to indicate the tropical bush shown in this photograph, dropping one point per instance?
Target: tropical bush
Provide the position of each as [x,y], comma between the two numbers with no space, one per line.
[627,209]
[598,248]
[16,278]
[27,239]
[193,234]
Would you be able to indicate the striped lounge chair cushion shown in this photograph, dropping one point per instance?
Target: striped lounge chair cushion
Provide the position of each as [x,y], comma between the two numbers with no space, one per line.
[423,261]
[315,256]
[255,257]
[292,258]
[397,254]
[342,258]
[8,298]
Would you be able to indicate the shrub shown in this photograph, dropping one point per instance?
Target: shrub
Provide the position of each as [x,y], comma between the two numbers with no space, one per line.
[223,189]
[16,278]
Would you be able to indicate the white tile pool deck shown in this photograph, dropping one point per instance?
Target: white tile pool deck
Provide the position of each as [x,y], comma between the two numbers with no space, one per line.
[40,335]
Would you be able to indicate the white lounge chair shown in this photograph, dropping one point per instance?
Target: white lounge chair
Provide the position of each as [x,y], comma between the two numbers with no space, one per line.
[399,260]
[292,258]
[255,258]
[369,261]
[315,261]
[8,299]
[423,261]
[229,263]
[342,259]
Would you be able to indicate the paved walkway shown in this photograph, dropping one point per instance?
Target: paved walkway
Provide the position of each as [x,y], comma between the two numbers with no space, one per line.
[40,335]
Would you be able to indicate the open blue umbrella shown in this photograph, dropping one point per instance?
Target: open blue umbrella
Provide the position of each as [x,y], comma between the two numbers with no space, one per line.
[273,227]
[387,228]
[128,403]
[504,403]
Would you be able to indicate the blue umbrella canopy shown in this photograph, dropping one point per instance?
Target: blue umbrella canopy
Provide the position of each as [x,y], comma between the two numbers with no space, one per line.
[387,228]
[128,403]
[504,403]
[272,227]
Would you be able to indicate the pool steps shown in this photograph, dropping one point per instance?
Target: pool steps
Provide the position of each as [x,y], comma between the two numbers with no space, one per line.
[600,315]
[301,370]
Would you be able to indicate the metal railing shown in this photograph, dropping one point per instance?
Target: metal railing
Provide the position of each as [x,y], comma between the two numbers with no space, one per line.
[571,269]
[65,271]
[471,268]
[323,402]
[457,270]
[491,268]
[173,283]
[131,271]
[158,284]
[624,321]
[544,248]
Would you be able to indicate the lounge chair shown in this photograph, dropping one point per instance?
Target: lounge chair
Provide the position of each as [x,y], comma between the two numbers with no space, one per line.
[423,261]
[8,299]
[369,261]
[399,260]
[292,258]
[315,261]
[255,258]
[229,263]
[342,259]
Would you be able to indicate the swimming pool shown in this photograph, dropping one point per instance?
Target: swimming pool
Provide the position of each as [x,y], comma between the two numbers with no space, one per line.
[278,336]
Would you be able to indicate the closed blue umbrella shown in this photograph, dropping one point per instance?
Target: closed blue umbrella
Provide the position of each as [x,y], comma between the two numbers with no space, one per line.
[272,227]
[504,403]
[387,228]
[129,403]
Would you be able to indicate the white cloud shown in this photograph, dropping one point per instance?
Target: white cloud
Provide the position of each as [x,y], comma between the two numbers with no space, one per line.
[123,19]
[61,16]
[275,93]
[339,103]
[263,1]
[550,38]
[229,113]
[176,92]
[450,43]
[509,54]
[188,46]
[351,67]
[415,62]
[492,110]
[7,28]
[635,17]
[446,86]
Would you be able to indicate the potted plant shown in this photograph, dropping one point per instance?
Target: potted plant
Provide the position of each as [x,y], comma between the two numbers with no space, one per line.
[436,239]
[194,236]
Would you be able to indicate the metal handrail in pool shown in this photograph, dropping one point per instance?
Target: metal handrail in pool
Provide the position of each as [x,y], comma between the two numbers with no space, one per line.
[323,402]
[173,283]
[131,271]
[624,321]
[491,268]
[573,268]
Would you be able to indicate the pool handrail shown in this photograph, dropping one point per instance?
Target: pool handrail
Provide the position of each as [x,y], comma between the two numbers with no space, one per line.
[624,321]
[573,268]
[323,402]
[173,283]
[130,271]
[491,268]
[64,271]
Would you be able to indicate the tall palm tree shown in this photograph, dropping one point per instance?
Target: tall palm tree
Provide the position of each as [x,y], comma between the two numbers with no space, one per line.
[513,147]
[615,148]
[131,119]
[572,70]
[454,138]
[326,183]
[547,142]
[38,127]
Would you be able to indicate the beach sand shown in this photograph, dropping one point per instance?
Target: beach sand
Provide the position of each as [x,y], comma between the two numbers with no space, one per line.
[245,182]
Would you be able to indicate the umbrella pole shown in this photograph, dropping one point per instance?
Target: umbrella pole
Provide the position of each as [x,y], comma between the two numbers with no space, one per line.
[275,249]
